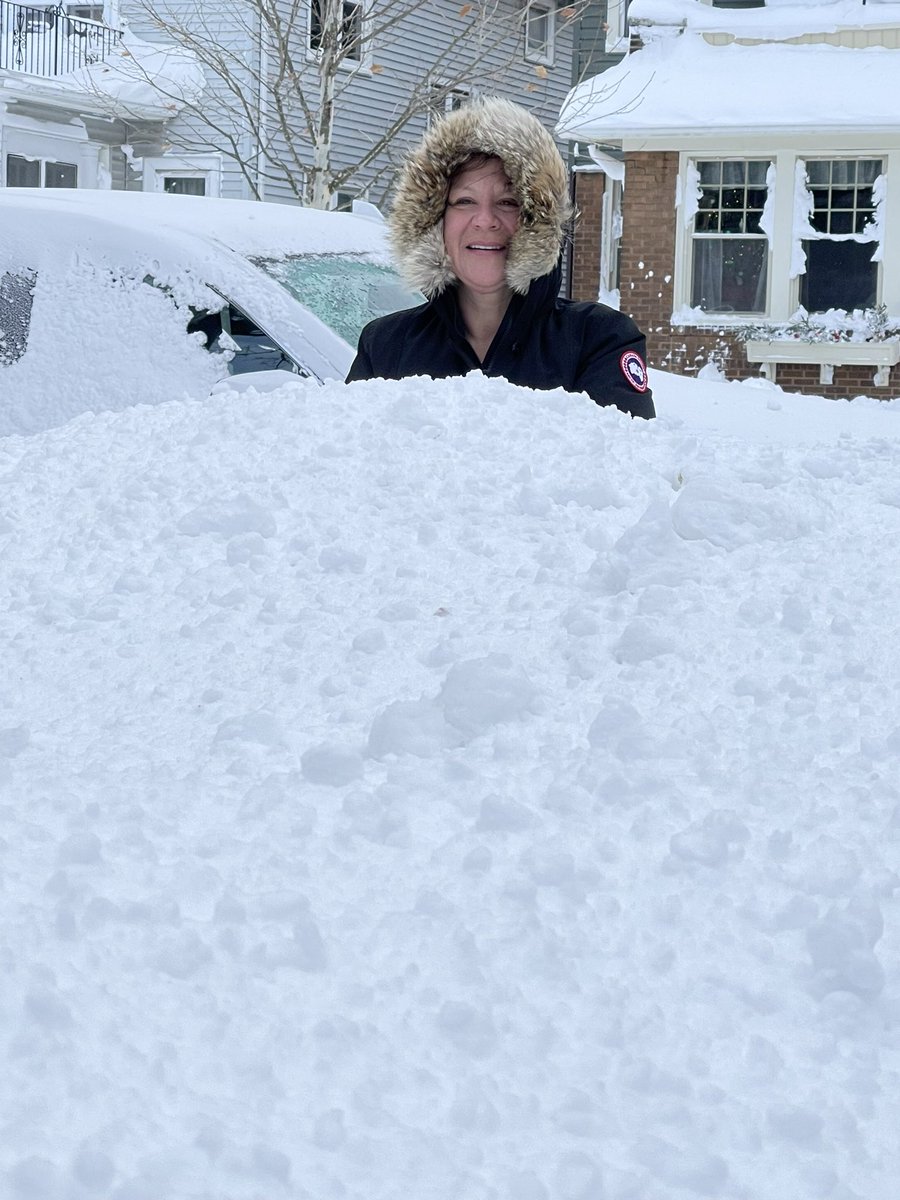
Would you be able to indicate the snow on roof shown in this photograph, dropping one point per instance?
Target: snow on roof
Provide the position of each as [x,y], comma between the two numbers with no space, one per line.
[686,87]
[778,19]
[138,75]
[137,79]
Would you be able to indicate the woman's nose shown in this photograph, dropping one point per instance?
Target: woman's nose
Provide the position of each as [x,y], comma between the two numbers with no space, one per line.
[486,216]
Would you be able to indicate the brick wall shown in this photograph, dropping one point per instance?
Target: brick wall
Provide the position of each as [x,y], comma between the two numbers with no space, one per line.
[585,283]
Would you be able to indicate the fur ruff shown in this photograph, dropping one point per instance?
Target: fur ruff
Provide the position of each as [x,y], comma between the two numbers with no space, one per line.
[535,168]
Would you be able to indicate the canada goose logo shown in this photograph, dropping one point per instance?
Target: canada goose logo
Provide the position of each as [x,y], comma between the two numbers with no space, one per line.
[634,370]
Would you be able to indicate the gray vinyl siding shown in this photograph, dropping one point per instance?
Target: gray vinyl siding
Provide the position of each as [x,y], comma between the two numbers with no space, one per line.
[222,25]
[369,100]
[591,56]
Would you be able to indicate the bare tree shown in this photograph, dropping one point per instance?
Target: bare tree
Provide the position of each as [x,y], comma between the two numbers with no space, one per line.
[278,70]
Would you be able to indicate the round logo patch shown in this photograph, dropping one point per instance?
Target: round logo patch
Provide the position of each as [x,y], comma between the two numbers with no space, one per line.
[634,370]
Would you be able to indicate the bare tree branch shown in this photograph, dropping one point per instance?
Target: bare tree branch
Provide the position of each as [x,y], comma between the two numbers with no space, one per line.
[277,70]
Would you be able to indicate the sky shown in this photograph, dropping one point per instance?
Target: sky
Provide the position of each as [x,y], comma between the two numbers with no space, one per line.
[449,790]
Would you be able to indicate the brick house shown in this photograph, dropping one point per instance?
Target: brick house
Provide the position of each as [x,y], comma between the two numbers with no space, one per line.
[756,229]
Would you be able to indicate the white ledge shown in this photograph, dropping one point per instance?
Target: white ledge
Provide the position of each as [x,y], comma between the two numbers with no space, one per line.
[828,355]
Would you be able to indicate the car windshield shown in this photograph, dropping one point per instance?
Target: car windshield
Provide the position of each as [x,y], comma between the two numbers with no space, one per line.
[344,291]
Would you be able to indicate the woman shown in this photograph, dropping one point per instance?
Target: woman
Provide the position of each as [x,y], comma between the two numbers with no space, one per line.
[478,224]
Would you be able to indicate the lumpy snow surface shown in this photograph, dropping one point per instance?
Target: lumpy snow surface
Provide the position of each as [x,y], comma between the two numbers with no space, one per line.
[445,791]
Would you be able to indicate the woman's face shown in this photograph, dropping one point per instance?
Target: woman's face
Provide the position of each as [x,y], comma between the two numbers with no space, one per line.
[481,216]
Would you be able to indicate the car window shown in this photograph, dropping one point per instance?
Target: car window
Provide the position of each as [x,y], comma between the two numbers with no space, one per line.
[344,291]
[16,296]
[250,348]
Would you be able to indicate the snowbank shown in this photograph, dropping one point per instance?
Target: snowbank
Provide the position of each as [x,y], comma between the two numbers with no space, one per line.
[445,790]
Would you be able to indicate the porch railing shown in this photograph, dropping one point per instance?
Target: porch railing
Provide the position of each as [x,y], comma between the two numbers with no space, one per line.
[47,41]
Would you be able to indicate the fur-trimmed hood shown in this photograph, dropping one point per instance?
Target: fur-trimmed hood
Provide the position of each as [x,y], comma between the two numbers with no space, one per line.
[535,169]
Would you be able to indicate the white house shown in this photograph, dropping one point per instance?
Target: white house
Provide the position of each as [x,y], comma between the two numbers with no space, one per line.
[78,97]
[759,227]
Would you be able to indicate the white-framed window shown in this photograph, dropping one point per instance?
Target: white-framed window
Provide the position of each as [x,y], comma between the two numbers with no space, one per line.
[183,174]
[729,251]
[540,31]
[22,171]
[841,267]
[617,26]
[350,35]
[85,12]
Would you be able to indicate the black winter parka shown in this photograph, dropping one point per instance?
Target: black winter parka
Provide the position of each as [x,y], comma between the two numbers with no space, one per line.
[543,342]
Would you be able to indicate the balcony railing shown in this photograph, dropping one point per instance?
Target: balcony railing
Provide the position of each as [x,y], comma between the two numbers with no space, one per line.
[48,41]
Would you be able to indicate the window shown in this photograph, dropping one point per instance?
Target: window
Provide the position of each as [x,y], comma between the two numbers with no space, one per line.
[839,268]
[617,26]
[539,23]
[350,32]
[60,175]
[250,347]
[37,172]
[16,295]
[22,172]
[444,99]
[730,250]
[183,174]
[85,12]
[184,185]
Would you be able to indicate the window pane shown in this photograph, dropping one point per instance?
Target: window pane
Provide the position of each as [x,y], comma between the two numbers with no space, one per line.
[16,295]
[841,222]
[756,173]
[818,172]
[258,352]
[841,191]
[180,186]
[710,172]
[868,170]
[838,275]
[351,30]
[537,31]
[734,172]
[730,274]
[315,24]
[60,175]
[22,172]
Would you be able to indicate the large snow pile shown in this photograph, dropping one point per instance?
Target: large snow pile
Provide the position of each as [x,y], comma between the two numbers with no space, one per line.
[442,791]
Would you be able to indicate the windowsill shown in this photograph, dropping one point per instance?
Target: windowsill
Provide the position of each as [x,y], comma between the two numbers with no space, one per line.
[695,318]
[828,355]
[540,60]
[346,64]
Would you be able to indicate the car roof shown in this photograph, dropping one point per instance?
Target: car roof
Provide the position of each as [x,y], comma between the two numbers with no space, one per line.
[251,228]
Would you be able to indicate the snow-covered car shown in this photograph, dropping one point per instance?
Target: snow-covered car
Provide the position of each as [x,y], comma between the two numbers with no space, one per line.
[109,299]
